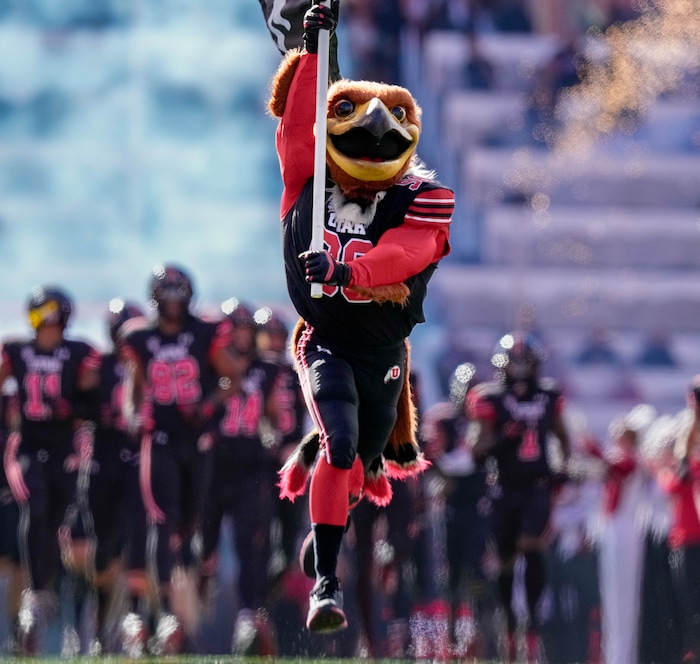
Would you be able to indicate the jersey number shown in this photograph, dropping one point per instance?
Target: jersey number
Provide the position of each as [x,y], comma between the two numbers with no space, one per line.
[354,248]
[242,416]
[40,387]
[175,382]
[529,450]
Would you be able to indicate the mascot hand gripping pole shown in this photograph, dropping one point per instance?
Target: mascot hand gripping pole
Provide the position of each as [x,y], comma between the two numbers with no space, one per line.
[386,227]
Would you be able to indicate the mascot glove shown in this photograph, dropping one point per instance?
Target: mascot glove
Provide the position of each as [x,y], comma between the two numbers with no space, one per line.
[318,17]
[321,268]
[13,470]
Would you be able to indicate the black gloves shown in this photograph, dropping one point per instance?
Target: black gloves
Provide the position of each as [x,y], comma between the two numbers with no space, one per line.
[321,268]
[319,17]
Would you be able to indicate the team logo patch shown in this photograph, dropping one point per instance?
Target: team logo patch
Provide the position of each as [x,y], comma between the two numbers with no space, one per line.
[394,373]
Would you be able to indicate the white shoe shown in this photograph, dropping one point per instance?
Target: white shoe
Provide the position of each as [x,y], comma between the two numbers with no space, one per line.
[134,635]
[326,607]
[244,633]
[70,644]
[169,638]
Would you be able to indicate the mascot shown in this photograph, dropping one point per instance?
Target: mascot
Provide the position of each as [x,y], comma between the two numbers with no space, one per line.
[386,226]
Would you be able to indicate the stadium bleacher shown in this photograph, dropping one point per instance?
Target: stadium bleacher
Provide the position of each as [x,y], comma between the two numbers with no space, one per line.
[572,241]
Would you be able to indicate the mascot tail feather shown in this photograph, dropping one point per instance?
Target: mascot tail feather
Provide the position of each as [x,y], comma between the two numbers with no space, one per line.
[295,472]
[402,455]
[406,468]
[377,487]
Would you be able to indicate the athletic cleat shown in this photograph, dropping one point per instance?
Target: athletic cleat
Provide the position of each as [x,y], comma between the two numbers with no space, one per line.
[169,637]
[134,636]
[245,633]
[70,643]
[253,635]
[34,609]
[326,607]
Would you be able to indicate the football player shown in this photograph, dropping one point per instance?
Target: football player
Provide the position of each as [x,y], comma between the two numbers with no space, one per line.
[9,514]
[94,533]
[465,506]
[511,419]
[273,345]
[52,445]
[245,450]
[179,369]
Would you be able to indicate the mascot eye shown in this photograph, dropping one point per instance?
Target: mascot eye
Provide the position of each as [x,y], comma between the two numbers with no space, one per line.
[399,112]
[344,108]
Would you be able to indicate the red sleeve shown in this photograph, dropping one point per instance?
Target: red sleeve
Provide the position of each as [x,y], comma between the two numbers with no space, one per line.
[623,467]
[479,408]
[295,132]
[6,360]
[422,239]
[222,337]
[91,362]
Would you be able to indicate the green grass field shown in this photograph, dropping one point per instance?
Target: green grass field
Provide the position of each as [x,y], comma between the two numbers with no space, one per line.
[197,659]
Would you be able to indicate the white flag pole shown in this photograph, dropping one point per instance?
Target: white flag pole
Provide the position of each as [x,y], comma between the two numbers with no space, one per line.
[319,188]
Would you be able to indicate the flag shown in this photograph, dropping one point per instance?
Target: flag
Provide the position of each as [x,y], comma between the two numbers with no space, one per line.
[285,22]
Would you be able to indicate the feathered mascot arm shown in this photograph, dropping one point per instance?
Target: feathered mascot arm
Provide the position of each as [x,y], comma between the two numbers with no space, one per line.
[292,101]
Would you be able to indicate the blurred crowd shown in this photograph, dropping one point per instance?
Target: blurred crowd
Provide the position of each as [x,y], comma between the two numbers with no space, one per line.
[373,31]
[136,478]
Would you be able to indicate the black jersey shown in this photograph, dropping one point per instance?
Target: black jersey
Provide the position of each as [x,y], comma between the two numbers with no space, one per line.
[291,407]
[343,315]
[521,425]
[111,424]
[48,386]
[239,431]
[178,373]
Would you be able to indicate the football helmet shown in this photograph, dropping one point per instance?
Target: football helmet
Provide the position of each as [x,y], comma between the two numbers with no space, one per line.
[119,311]
[49,305]
[268,321]
[240,314]
[517,358]
[170,284]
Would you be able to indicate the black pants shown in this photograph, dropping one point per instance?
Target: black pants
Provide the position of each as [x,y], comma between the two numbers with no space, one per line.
[352,395]
[180,473]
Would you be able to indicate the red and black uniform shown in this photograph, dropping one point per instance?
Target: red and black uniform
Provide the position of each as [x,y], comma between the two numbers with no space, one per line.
[244,472]
[522,426]
[352,353]
[114,496]
[179,377]
[9,514]
[291,418]
[49,399]
[684,543]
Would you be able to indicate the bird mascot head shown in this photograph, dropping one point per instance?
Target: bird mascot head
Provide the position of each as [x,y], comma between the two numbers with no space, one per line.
[372,131]
[371,136]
